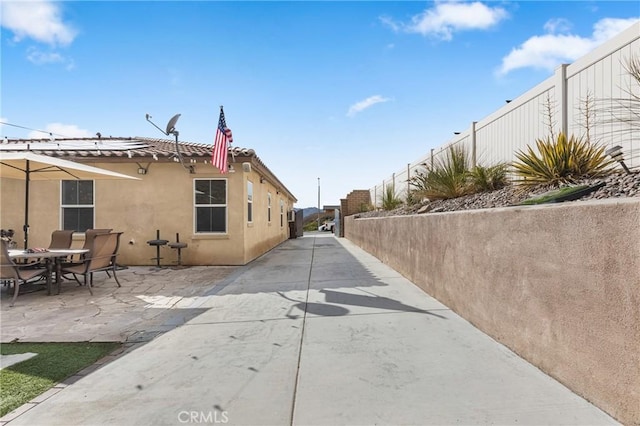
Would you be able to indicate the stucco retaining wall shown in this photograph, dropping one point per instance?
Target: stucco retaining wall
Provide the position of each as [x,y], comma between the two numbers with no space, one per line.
[558,284]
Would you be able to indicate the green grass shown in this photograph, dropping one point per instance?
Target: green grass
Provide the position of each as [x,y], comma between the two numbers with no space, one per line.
[55,362]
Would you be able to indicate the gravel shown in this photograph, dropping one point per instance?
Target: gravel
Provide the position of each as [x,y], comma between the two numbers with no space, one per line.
[616,186]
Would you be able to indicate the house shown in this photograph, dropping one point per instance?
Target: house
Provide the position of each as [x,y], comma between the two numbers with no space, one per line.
[225,219]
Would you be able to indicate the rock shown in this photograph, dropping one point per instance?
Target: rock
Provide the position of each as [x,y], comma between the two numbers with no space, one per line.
[424,209]
[616,186]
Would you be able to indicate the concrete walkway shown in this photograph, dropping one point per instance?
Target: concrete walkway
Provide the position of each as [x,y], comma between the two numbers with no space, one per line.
[317,332]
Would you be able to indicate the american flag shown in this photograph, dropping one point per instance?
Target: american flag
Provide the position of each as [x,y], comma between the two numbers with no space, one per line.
[221,143]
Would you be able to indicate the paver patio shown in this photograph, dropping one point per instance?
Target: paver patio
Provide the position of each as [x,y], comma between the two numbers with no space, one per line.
[150,302]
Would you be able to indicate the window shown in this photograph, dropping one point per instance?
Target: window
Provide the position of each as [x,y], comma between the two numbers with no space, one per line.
[210,205]
[77,205]
[269,207]
[249,201]
[281,213]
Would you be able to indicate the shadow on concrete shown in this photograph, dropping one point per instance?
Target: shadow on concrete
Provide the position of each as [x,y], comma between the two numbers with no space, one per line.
[378,302]
[313,308]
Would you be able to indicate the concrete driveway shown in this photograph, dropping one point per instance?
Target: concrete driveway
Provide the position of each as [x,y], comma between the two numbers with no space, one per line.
[316,332]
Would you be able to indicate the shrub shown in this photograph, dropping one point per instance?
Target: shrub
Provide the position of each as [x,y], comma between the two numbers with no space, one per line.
[561,160]
[489,178]
[389,199]
[412,198]
[365,207]
[446,179]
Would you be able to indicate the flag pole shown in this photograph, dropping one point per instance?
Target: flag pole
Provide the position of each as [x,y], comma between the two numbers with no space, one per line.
[222,141]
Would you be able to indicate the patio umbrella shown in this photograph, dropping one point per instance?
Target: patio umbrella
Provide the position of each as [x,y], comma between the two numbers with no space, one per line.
[29,166]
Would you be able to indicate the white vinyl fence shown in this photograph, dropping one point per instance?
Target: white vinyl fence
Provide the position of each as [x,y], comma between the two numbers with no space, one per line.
[592,93]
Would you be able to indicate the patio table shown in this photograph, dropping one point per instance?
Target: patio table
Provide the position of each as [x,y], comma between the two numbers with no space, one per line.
[52,259]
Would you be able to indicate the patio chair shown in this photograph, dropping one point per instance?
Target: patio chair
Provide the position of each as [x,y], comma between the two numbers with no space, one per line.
[89,234]
[101,258]
[18,274]
[61,239]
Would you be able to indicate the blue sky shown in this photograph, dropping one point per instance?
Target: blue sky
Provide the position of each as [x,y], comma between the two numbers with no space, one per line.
[348,92]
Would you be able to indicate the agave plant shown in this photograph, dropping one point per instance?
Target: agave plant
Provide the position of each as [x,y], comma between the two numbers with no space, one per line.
[561,160]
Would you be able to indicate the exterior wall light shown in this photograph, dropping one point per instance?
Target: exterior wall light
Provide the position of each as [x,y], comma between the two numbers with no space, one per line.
[143,170]
[615,152]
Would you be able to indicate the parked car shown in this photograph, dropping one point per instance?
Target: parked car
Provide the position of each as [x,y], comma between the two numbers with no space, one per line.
[327,226]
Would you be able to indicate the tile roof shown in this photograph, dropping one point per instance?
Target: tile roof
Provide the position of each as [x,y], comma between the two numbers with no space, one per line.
[111,147]
[128,149]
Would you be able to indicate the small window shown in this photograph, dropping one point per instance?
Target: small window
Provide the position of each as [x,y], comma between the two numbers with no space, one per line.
[249,201]
[269,207]
[210,204]
[281,213]
[77,204]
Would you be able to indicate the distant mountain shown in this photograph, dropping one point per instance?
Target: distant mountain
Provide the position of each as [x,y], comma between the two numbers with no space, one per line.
[309,211]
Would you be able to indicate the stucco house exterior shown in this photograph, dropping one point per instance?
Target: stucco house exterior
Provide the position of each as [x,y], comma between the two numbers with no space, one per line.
[225,219]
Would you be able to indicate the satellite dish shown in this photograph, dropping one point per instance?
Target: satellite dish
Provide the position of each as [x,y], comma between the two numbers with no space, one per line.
[171,125]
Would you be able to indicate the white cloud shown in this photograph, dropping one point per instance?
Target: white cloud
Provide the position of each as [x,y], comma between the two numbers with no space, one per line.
[557,25]
[447,17]
[367,103]
[389,22]
[608,28]
[550,50]
[40,57]
[59,129]
[39,21]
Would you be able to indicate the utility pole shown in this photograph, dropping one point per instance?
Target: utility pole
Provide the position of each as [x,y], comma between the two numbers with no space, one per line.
[318,203]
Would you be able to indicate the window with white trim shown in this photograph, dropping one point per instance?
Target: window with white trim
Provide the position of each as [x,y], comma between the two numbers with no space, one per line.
[77,204]
[249,201]
[269,207]
[281,213]
[210,205]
